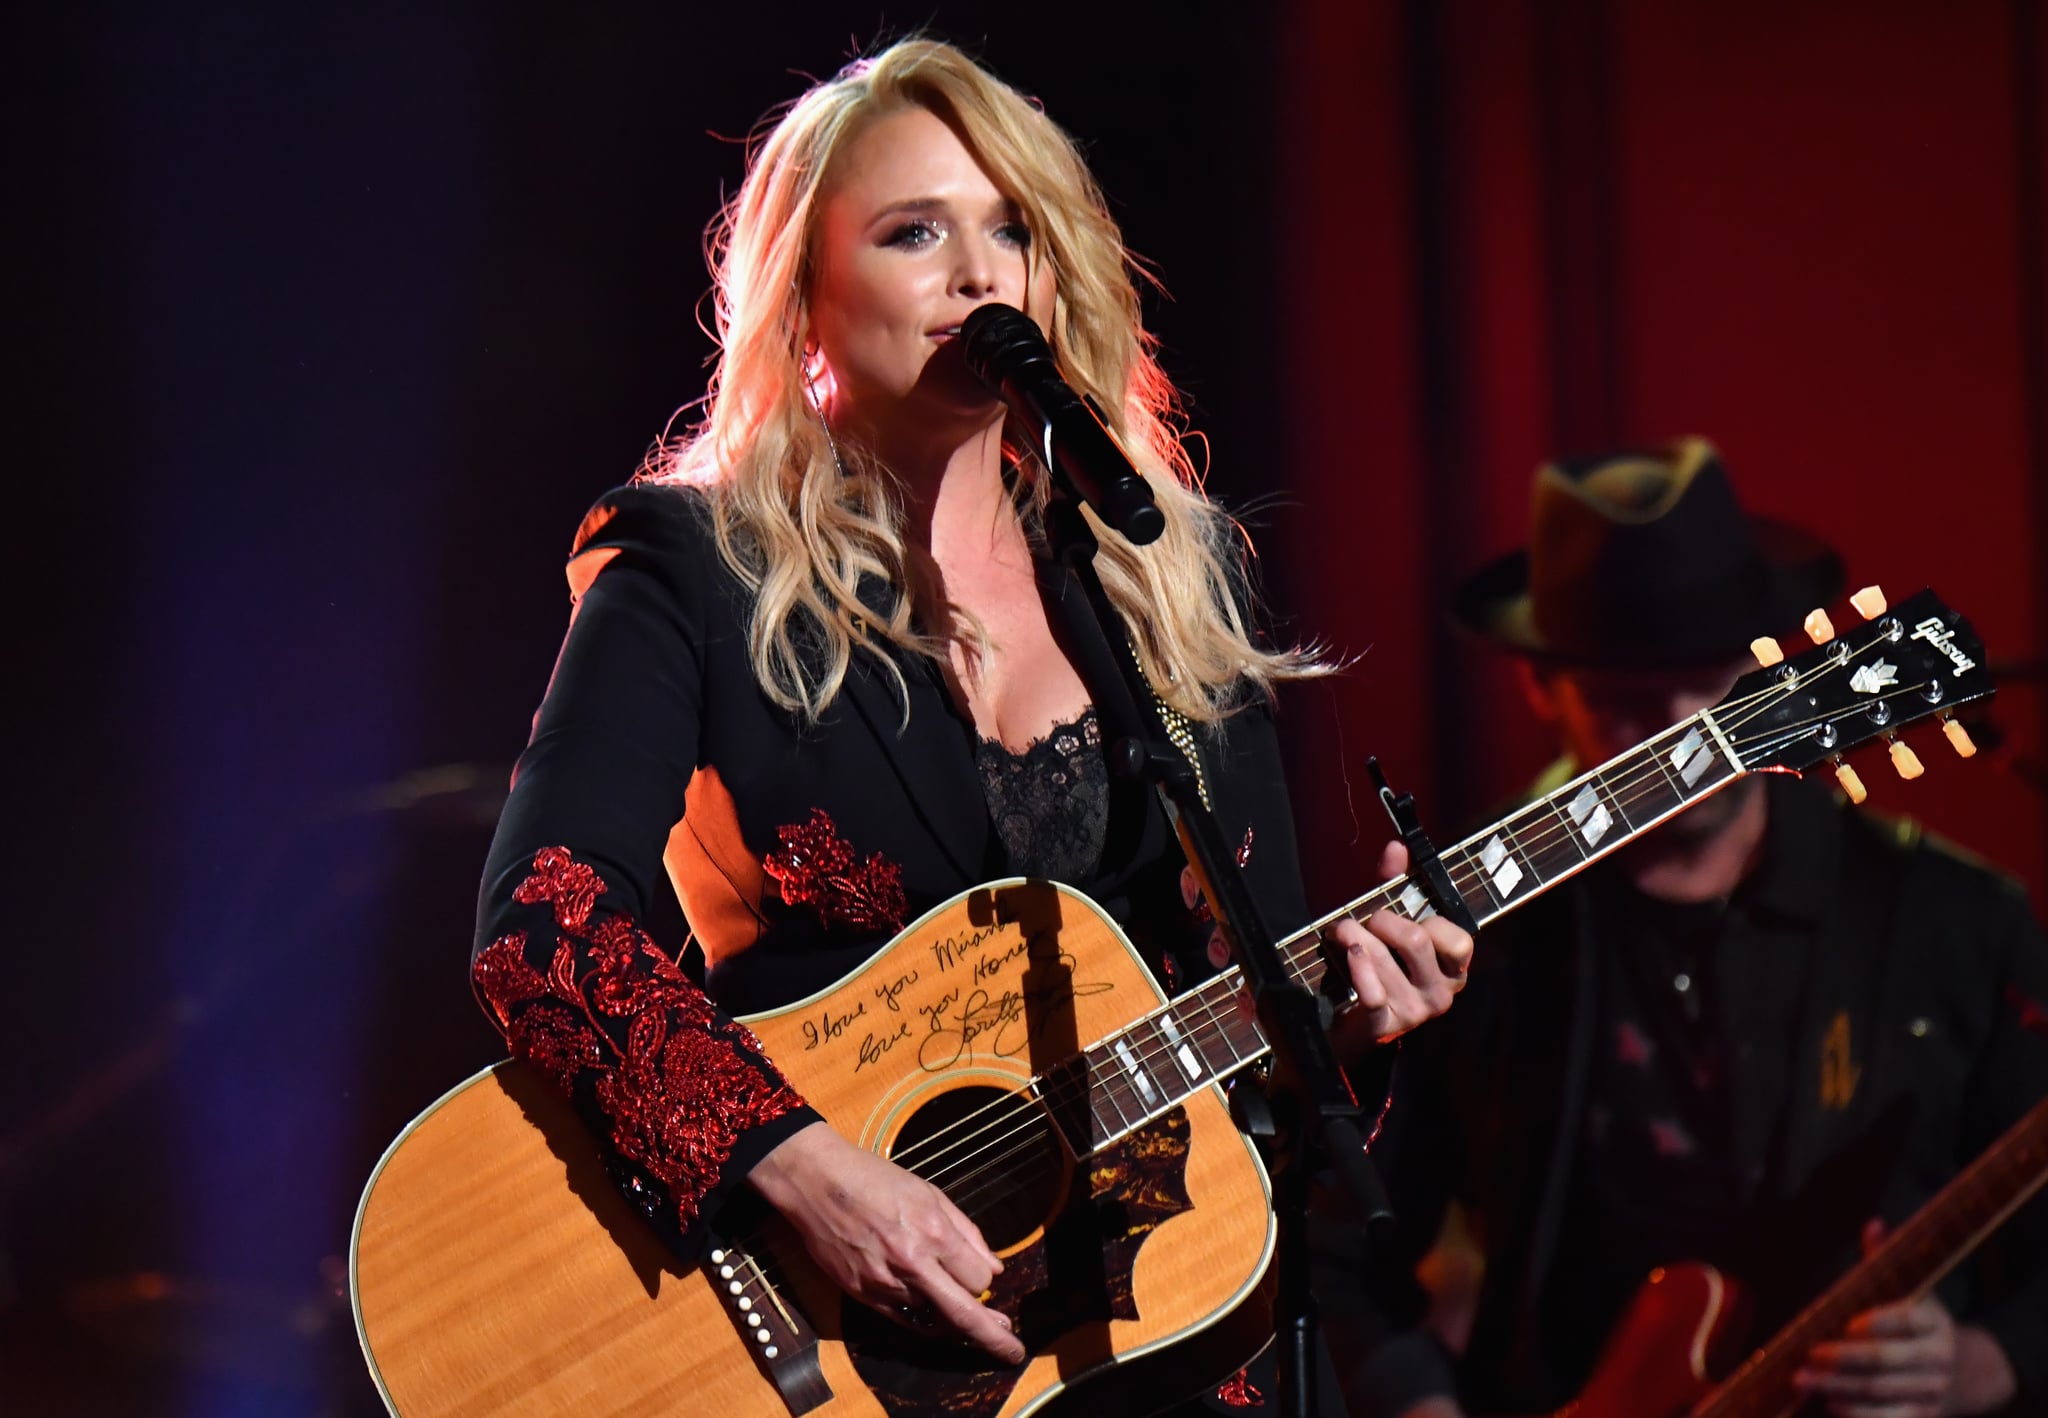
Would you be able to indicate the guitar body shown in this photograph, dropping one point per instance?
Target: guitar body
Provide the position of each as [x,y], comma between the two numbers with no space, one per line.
[496,1269]
[1682,1331]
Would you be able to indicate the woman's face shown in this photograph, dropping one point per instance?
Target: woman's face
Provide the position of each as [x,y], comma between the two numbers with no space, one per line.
[912,237]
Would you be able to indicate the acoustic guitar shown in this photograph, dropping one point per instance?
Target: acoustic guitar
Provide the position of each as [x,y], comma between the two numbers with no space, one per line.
[1011,1047]
[1661,1359]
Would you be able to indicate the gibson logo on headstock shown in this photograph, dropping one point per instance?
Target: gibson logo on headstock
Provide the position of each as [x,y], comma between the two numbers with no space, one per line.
[1938,635]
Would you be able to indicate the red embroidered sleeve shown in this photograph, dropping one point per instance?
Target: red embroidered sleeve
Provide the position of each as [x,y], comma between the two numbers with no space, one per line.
[595,1005]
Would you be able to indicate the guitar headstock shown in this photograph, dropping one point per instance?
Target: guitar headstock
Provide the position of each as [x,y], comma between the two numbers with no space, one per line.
[1903,664]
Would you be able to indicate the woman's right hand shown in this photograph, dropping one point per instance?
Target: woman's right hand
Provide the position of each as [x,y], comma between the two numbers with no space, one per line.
[890,1239]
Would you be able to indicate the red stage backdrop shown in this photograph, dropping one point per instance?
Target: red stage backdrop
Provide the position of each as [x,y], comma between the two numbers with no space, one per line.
[1813,234]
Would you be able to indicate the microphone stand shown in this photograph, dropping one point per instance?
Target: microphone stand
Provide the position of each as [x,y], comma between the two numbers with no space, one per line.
[1308,1114]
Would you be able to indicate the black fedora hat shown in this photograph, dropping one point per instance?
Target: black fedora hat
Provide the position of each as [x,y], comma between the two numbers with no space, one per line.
[1644,559]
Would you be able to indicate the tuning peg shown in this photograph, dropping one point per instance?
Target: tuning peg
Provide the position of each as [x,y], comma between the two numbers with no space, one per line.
[1905,760]
[1820,627]
[1869,602]
[1766,651]
[1958,737]
[1851,784]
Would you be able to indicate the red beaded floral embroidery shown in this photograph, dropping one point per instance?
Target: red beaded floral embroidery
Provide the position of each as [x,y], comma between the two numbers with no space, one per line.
[815,867]
[685,1083]
[570,886]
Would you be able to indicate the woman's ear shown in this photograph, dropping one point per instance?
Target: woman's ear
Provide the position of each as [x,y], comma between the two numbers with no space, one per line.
[810,363]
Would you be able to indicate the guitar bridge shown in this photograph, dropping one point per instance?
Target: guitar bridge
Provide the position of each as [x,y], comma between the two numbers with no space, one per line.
[783,1344]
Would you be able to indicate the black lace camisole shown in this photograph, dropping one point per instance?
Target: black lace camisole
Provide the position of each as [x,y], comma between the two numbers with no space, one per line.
[1050,803]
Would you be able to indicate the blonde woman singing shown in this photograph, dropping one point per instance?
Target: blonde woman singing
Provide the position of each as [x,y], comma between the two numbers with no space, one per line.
[810,674]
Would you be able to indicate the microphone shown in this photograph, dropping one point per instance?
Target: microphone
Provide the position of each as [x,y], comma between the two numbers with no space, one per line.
[1007,351]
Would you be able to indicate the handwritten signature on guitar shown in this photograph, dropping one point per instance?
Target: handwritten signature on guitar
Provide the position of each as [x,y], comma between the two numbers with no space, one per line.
[1016,1017]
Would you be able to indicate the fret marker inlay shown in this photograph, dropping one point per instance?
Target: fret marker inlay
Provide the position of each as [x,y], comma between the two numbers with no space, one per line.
[1416,903]
[1500,866]
[1130,1062]
[1589,815]
[1691,757]
[1189,1064]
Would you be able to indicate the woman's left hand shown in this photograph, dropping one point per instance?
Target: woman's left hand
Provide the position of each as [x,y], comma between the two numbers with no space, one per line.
[1403,972]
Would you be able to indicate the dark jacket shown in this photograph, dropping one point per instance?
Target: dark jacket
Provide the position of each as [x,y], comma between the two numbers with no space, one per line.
[796,851]
[1940,971]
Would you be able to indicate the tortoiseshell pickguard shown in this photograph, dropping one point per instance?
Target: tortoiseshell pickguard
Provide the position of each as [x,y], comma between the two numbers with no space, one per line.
[1078,1272]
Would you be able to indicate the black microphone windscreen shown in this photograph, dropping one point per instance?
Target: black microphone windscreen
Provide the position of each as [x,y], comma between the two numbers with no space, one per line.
[1000,339]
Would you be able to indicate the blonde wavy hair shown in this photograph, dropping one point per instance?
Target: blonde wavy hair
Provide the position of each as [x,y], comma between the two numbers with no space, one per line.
[801,525]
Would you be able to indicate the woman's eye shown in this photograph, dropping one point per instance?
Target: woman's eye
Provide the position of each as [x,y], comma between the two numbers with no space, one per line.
[913,236]
[1015,233]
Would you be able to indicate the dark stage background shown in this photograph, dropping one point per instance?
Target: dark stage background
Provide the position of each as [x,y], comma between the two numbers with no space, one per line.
[326,325]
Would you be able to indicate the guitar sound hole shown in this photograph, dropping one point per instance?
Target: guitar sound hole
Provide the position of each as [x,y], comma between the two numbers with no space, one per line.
[994,1153]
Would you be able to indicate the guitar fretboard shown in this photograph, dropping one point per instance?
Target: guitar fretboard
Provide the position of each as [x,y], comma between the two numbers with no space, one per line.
[1908,1263]
[1137,1074]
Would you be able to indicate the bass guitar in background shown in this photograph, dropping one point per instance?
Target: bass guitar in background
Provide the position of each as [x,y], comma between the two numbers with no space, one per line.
[1682,1329]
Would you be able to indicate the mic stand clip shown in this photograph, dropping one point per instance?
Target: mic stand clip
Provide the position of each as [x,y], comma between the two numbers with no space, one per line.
[1424,865]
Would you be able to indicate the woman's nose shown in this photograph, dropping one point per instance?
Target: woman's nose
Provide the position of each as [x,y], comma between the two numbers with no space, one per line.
[977,271]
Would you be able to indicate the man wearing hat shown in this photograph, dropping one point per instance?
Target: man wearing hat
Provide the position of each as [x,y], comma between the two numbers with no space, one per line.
[1738,1040]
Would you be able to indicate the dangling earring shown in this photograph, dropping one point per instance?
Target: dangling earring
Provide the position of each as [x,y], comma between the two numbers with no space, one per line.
[806,364]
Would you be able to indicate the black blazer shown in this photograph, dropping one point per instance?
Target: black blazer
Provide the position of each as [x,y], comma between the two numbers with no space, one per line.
[795,849]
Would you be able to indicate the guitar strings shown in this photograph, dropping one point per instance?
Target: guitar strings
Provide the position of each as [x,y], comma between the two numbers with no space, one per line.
[1151,1055]
[925,1157]
[1019,1114]
[1626,796]
[1016,1112]
[1630,791]
[1033,1130]
[982,1183]
[1059,1091]
[1019,1106]
[993,1183]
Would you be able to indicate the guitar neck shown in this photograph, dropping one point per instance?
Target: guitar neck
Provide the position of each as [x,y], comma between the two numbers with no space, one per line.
[1907,1265]
[1142,1071]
